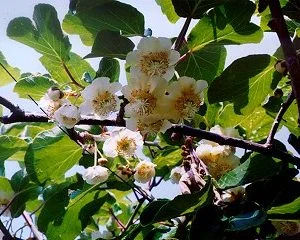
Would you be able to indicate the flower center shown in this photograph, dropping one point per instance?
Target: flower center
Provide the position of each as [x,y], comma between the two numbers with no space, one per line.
[144,171]
[126,147]
[154,63]
[104,103]
[142,102]
[68,120]
[187,105]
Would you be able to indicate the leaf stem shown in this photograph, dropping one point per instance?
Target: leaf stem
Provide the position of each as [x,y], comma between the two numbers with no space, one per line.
[182,33]
[71,77]
[36,233]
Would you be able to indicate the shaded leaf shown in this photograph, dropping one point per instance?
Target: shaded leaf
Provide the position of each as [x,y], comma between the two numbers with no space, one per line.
[50,155]
[109,67]
[194,8]
[180,205]
[287,211]
[228,25]
[111,44]
[251,170]
[246,83]
[94,16]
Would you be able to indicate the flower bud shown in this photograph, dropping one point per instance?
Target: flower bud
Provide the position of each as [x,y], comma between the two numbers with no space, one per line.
[67,115]
[287,227]
[54,93]
[96,174]
[144,171]
[233,194]
[176,175]
[102,161]
[281,67]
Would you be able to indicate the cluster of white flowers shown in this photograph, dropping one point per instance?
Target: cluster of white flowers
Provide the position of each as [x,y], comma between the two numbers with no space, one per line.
[219,159]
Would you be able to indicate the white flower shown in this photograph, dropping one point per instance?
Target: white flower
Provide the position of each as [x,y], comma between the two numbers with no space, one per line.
[185,97]
[123,142]
[219,159]
[50,106]
[233,194]
[100,98]
[151,124]
[145,96]
[96,174]
[105,234]
[176,174]
[144,171]
[67,115]
[152,58]
[54,93]
[287,227]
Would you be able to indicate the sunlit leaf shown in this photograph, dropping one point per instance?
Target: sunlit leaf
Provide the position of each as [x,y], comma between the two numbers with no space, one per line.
[168,9]
[10,145]
[5,78]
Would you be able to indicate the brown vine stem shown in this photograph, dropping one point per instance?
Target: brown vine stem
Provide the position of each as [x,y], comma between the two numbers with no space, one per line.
[5,232]
[278,24]
[182,33]
[71,77]
[278,118]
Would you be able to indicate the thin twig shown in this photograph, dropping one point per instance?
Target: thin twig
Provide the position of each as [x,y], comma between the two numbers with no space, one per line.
[117,219]
[278,24]
[33,228]
[5,231]
[278,118]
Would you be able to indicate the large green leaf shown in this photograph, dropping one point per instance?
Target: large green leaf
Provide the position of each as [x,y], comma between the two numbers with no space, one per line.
[251,170]
[168,9]
[37,86]
[166,160]
[109,67]
[78,213]
[291,119]
[5,78]
[206,63]
[289,209]
[111,44]
[194,8]
[256,124]
[10,145]
[50,155]
[180,205]
[25,191]
[227,25]
[46,36]
[246,83]
[94,16]
[76,66]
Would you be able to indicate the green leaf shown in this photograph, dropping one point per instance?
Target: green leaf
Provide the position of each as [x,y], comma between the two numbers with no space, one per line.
[79,212]
[251,170]
[94,16]
[46,36]
[166,160]
[255,124]
[6,188]
[167,8]
[25,191]
[226,25]
[5,78]
[289,208]
[246,220]
[246,83]
[37,86]
[194,8]
[50,155]
[111,44]
[10,145]
[109,67]
[180,205]
[291,120]
[76,66]
[206,63]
